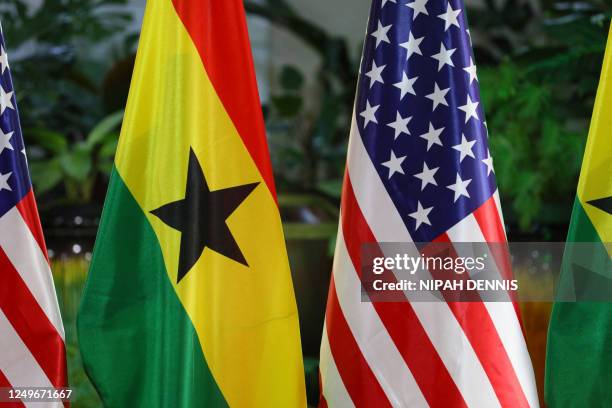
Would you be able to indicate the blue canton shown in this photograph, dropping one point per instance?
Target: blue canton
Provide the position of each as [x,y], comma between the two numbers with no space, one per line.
[14,178]
[419,113]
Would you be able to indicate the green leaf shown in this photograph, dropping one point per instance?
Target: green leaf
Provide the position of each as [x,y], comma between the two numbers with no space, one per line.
[527,201]
[50,140]
[106,167]
[291,79]
[108,149]
[331,187]
[76,164]
[287,105]
[46,175]
[102,129]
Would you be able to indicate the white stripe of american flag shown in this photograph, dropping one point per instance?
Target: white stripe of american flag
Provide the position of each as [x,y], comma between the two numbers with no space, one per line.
[379,350]
[19,366]
[28,259]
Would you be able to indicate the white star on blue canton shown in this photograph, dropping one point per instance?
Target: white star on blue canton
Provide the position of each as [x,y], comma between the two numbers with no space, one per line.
[460,187]
[421,215]
[381,34]
[419,8]
[432,136]
[488,161]
[394,164]
[444,56]
[438,96]
[4,185]
[465,148]
[427,176]
[412,46]
[385,2]
[5,100]
[369,114]
[400,125]
[471,70]
[3,60]
[450,17]
[470,108]
[5,141]
[406,85]
[375,74]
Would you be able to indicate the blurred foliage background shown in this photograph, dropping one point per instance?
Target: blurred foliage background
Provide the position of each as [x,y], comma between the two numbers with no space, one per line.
[71,60]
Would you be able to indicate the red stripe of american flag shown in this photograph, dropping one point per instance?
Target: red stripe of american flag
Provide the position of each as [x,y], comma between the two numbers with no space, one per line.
[4,383]
[31,323]
[482,334]
[29,211]
[399,318]
[25,314]
[488,218]
[356,374]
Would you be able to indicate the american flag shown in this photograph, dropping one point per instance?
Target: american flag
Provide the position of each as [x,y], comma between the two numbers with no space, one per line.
[31,331]
[419,170]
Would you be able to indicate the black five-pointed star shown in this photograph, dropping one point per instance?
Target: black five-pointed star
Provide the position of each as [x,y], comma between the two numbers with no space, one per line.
[201,216]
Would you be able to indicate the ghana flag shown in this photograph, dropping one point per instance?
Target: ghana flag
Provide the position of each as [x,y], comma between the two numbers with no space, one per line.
[189,300]
[579,353]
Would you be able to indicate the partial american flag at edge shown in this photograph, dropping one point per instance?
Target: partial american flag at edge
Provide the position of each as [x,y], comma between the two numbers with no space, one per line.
[31,330]
[419,170]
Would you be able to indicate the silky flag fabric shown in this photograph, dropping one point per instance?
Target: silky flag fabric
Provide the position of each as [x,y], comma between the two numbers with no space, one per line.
[419,170]
[31,330]
[189,300]
[579,351]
